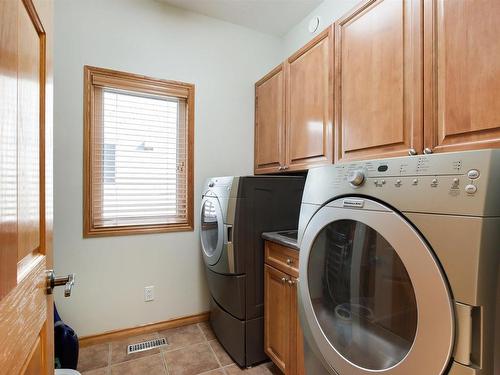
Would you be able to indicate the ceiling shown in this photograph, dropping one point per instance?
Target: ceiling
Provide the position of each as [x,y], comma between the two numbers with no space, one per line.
[274,17]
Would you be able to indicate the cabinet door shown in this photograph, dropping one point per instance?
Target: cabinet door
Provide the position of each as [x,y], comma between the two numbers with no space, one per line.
[378,95]
[297,341]
[270,122]
[277,317]
[309,104]
[462,74]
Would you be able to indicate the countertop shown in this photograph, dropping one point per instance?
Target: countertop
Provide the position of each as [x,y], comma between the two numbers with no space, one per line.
[286,238]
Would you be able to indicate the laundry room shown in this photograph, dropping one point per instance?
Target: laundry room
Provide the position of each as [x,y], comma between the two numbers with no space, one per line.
[280,187]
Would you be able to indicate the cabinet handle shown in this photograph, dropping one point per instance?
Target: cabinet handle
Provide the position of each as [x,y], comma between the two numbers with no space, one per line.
[427,150]
[283,280]
[280,168]
[291,282]
[286,167]
[412,152]
[289,261]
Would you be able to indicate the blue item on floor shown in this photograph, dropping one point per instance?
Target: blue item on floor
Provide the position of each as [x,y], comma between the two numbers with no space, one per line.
[66,345]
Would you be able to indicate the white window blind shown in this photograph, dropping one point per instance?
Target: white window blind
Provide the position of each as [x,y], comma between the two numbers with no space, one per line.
[139,159]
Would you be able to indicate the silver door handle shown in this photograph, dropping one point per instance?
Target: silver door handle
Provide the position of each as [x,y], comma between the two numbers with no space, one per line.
[53,281]
[427,150]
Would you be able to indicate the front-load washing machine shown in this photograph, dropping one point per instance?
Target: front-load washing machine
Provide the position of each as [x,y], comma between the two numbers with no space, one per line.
[399,262]
[234,213]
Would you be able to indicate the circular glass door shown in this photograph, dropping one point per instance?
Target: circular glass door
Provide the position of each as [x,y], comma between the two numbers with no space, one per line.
[211,231]
[363,297]
[373,295]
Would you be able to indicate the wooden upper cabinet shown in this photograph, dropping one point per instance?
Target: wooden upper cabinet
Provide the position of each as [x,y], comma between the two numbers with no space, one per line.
[462,74]
[378,88]
[270,122]
[309,106]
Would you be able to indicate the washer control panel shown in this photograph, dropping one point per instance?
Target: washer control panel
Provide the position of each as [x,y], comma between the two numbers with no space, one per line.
[457,181]
[413,171]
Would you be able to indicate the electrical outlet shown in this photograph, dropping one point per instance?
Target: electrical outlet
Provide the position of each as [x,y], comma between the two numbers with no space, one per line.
[149,293]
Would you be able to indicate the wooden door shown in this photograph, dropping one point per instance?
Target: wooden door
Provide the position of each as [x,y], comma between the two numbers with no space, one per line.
[277,317]
[462,74]
[297,340]
[378,95]
[270,122]
[26,321]
[309,124]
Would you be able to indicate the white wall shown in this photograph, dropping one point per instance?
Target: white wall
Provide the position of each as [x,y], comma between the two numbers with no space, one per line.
[328,11]
[147,37]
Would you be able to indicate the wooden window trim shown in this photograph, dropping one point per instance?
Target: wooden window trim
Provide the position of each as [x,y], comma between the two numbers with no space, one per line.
[94,76]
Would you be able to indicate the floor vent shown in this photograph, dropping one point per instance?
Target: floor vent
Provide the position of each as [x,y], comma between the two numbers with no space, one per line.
[146,345]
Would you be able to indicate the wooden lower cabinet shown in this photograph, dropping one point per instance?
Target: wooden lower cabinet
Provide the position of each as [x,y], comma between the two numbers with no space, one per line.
[277,317]
[297,339]
[283,339]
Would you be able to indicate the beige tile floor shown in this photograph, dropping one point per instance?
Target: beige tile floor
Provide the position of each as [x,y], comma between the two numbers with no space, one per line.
[192,350]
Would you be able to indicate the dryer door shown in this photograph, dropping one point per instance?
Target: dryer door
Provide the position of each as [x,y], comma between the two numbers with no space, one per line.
[212,230]
[374,297]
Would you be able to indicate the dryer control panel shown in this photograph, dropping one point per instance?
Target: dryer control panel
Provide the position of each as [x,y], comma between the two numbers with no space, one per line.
[221,187]
[463,183]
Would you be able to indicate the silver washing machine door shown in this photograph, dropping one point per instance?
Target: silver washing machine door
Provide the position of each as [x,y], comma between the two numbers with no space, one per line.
[211,230]
[374,299]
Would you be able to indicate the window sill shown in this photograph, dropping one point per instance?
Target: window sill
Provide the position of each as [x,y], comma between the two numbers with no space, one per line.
[139,229]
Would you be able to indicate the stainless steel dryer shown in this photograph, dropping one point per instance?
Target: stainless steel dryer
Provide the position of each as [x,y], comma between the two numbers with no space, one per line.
[398,266]
[234,213]
[217,218]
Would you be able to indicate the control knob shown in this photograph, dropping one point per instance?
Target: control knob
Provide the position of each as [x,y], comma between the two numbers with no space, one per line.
[356,178]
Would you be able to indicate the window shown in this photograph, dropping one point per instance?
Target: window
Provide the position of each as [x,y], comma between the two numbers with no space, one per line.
[138,154]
